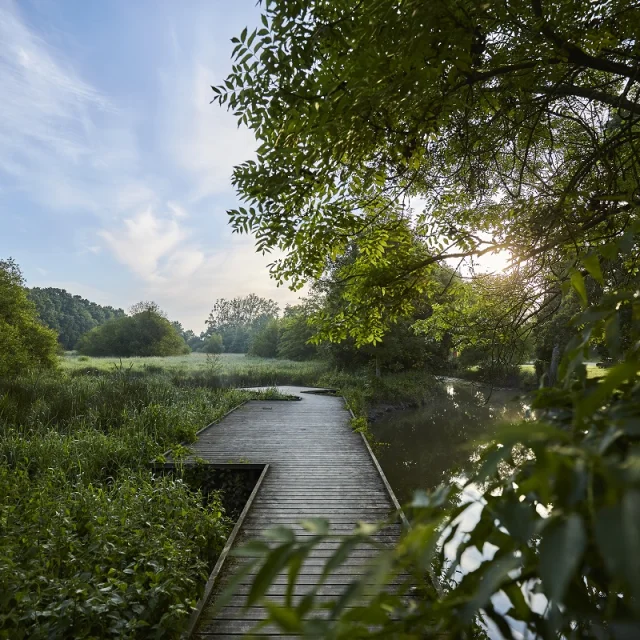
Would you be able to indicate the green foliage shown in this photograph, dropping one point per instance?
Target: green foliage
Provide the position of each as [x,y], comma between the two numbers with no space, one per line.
[25,344]
[92,543]
[296,333]
[552,508]
[68,315]
[239,319]
[146,333]
[516,124]
[363,390]
[125,561]
[264,343]
[213,344]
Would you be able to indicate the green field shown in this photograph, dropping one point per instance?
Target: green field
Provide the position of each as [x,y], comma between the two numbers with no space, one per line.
[229,369]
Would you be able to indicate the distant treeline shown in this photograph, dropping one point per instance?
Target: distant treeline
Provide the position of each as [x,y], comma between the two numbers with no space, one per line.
[70,316]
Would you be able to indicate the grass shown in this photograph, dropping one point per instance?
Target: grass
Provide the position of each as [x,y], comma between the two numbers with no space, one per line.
[223,370]
[363,391]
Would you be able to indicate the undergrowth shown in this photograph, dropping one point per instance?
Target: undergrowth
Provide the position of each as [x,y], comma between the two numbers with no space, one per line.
[92,543]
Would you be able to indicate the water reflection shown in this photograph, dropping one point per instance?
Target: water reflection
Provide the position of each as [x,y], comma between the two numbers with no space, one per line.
[424,445]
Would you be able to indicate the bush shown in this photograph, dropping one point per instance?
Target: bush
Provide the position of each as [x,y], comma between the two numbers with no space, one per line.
[25,344]
[213,344]
[264,344]
[92,544]
[144,334]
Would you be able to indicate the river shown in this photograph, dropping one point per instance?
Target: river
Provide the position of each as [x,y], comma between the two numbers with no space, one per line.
[424,447]
[421,447]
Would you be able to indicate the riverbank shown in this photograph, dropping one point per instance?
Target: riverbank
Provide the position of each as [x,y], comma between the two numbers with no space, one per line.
[370,398]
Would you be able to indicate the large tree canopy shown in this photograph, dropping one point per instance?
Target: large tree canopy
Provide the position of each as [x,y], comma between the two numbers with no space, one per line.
[516,123]
[237,320]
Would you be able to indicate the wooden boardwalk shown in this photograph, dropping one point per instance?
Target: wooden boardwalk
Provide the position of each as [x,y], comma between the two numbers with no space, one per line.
[318,467]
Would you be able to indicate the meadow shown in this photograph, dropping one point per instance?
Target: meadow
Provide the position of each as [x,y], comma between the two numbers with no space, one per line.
[211,370]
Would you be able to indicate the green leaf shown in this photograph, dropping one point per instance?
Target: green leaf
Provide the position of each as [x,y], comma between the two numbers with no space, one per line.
[279,534]
[340,555]
[577,281]
[561,549]
[251,549]
[273,564]
[229,592]
[295,564]
[592,265]
[320,526]
[493,574]
[615,377]
[287,619]
[618,538]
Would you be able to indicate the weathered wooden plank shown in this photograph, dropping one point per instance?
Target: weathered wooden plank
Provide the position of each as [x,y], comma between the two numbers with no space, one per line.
[318,468]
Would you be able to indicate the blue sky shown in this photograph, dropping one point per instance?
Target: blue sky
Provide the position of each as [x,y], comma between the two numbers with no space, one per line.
[114,168]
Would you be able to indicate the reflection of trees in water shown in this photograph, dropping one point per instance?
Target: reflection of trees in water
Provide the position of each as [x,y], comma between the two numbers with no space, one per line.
[427,444]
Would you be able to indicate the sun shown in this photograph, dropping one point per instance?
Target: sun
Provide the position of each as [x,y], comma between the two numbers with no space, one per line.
[495,262]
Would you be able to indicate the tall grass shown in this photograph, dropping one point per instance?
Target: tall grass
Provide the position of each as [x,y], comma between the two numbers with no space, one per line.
[92,544]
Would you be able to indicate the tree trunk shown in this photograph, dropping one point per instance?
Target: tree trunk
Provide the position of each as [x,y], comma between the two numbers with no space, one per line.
[553,367]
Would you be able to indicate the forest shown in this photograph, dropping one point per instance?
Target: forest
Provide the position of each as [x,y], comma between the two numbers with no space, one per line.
[398,145]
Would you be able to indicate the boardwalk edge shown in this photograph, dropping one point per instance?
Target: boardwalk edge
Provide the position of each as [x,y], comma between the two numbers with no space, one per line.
[387,486]
[217,569]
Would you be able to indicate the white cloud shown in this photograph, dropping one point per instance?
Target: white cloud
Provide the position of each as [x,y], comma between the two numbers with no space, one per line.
[235,270]
[70,147]
[181,276]
[177,210]
[144,241]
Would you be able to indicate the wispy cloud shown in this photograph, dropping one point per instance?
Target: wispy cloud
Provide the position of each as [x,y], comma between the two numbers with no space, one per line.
[179,274]
[61,140]
[202,139]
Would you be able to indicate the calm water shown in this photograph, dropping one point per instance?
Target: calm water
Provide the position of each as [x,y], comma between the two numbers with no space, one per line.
[424,445]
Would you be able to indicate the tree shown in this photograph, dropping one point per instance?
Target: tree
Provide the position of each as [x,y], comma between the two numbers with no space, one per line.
[25,344]
[517,123]
[296,333]
[238,319]
[213,344]
[147,333]
[148,306]
[70,316]
[264,343]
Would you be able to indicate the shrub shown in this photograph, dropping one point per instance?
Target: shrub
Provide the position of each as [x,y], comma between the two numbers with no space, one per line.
[213,344]
[92,544]
[144,334]
[24,343]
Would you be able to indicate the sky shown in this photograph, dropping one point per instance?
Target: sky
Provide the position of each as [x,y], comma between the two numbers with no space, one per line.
[114,166]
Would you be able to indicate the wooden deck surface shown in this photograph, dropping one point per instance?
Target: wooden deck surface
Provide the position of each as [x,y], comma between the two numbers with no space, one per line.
[318,467]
